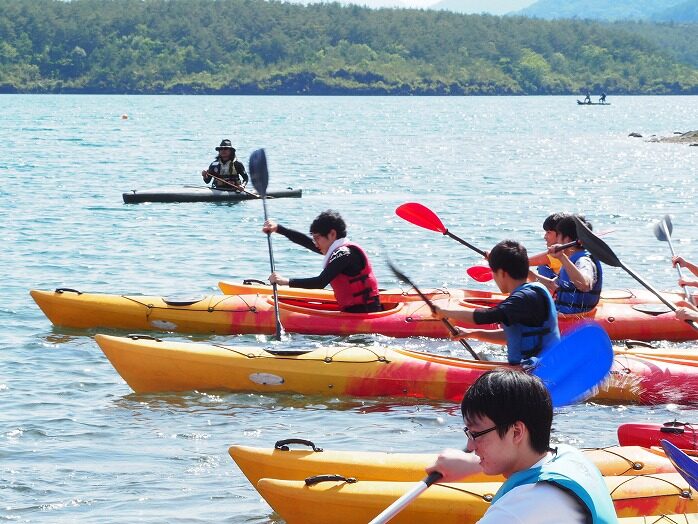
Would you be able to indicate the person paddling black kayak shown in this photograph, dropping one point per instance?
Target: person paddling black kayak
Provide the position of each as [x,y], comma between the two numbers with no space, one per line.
[226,171]
[346,266]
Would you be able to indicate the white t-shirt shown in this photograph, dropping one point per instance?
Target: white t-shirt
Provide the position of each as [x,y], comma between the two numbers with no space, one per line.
[541,503]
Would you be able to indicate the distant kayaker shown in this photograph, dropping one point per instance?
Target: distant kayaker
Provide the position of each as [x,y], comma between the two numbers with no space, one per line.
[346,266]
[528,316]
[602,98]
[508,416]
[547,265]
[226,171]
[577,287]
[587,98]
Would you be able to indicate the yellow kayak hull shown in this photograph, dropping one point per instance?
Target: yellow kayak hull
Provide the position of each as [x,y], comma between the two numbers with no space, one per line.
[459,503]
[150,365]
[298,464]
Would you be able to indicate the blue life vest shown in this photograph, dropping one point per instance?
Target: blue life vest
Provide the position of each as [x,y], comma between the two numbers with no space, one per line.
[575,474]
[568,298]
[527,341]
[545,271]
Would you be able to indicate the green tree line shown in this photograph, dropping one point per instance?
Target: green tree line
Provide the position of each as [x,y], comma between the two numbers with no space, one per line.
[260,47]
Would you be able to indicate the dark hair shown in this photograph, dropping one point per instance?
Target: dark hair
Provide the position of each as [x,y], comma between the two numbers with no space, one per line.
[567,227]
[506,396]
[327,221]
[550,223]
[511,256]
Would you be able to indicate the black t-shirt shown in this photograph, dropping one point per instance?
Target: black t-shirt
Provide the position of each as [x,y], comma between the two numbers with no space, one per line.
[346,260]
[524,306]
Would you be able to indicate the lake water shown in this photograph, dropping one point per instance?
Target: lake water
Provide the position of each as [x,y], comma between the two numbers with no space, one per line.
[77,445]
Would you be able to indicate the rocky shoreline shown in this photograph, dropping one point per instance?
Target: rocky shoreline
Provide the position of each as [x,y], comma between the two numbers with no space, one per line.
[690,138]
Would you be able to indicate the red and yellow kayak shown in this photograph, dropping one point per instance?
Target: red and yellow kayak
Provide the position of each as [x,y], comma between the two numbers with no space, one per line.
[254,287]
[152,365]
[358,502]
[682,434]
[283,463]
[254,314]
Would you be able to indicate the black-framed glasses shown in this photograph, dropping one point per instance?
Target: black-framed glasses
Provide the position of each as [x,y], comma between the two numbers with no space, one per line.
[472,435]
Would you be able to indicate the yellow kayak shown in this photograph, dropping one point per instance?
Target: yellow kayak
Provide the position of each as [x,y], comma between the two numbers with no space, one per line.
[152,365]
[283,463]
[358,502]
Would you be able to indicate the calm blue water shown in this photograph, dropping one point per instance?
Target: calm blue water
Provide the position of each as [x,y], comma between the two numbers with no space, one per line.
[77,445]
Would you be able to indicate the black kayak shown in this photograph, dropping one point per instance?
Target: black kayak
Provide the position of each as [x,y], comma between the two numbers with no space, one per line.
[593,103]
[201,194]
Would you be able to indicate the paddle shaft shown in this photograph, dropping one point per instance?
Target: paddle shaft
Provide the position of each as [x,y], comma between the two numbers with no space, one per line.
[397,506]
[663,225]
[466,244]
[450,326]
[429,303]
[235,186]
[655,292]
[271,264]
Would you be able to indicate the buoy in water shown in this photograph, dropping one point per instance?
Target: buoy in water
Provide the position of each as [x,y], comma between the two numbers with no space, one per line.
[124,117]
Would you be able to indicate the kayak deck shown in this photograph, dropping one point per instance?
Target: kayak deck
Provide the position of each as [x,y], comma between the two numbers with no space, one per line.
[201,194]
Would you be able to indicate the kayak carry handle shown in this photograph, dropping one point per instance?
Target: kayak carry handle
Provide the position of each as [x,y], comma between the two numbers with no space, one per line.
[250,281]
[143,337]
[283,444]
[67,289]
[311,481]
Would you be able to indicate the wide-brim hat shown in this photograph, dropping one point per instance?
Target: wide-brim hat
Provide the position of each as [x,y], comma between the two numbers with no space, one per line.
[225,144]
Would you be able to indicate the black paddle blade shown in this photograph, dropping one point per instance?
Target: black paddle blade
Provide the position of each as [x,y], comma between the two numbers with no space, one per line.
[663,229]
[259,171]
[597,247]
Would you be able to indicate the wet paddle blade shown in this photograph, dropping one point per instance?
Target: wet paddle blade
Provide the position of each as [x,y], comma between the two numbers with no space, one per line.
[259,172]
[683,463]
[573,367]
[663,229]
[421,216]
[597,247]
[480,273]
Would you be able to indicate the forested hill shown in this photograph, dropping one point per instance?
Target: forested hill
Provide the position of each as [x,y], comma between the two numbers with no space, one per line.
[254,46]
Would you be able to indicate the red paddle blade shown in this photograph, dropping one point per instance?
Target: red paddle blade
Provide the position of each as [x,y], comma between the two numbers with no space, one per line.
[480,273]
[421,216]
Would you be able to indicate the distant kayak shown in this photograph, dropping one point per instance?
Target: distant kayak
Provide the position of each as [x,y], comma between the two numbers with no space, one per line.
[593,103]
[201,194]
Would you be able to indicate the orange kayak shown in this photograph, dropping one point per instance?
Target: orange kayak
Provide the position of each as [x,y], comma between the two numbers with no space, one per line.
[254,287]
[254,314]
[359,501]
[151,365]
[283,463]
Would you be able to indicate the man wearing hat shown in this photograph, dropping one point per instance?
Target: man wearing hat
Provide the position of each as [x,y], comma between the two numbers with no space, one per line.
[226,171]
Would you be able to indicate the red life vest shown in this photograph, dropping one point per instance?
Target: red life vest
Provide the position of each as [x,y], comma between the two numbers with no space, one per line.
[359,289]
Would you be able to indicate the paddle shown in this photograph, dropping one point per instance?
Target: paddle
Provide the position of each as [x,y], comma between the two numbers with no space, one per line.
[599,249]
[422,216]
[484,273]
[260,181]
[684,464]
[480,273]
[399,274]
[570,369]
[235,186]
[662,230]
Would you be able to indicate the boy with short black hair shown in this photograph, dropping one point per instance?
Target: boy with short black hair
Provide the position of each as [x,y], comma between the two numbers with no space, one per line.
[528,316]
[508,415]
